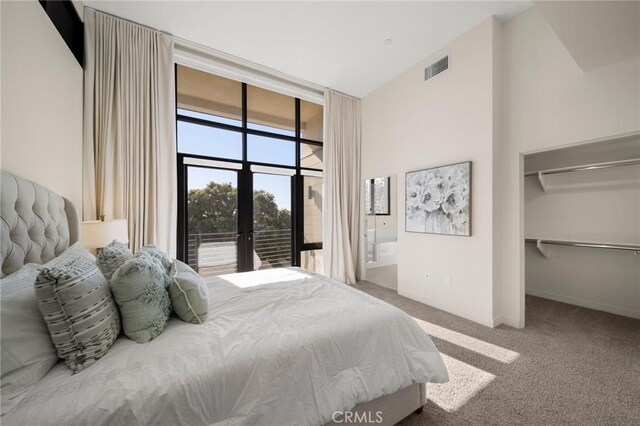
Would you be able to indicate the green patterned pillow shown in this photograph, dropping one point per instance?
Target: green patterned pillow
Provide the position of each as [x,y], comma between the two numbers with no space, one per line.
[112,257]
[140,292]
[189,293]
[158,254]
[76,303]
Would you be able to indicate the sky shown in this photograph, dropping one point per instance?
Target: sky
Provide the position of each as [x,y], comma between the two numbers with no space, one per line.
[201,140]
[278,185]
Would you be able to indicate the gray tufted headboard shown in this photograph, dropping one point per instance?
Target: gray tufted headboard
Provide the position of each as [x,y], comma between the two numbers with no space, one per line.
[37,224]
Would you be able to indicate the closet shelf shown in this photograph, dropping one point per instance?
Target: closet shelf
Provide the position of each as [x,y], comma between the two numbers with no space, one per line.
[595,166]
[543,244]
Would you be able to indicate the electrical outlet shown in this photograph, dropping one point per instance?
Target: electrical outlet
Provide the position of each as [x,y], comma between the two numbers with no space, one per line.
[427,276]
[448,279]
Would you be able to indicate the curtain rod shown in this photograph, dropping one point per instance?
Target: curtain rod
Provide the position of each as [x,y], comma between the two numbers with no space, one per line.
[128,20]
[247,64]
[344,94]
[232,58]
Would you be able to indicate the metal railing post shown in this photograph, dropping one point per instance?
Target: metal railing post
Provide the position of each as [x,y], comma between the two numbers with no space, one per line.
[198,242]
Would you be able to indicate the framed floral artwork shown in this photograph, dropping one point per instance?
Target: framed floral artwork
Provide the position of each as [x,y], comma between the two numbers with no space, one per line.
[438,200]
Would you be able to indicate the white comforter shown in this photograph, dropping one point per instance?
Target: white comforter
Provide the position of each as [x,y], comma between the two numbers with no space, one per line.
[279,347]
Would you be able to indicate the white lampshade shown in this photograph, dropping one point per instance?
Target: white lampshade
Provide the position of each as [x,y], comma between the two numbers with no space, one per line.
[98,234]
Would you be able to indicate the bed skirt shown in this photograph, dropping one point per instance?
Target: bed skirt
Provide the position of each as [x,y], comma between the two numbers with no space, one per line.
[386,410]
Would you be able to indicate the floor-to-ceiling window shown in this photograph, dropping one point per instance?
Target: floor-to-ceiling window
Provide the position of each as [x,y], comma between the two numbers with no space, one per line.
[249,176]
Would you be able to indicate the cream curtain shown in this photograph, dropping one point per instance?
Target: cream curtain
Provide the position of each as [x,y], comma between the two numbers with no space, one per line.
[341,186]
[129,158]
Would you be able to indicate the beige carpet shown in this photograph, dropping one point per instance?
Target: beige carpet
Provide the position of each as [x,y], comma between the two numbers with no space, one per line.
[568,366]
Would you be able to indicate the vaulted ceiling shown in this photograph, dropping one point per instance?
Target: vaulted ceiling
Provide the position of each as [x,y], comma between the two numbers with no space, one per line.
[342,45]
[596,33]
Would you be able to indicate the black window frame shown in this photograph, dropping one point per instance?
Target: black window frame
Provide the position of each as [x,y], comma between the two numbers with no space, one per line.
[245,181]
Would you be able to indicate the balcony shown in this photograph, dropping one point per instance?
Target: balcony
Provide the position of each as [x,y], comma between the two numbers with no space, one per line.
[217,254]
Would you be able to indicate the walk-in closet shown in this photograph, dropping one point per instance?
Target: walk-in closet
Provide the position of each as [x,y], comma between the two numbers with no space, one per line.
[582,225]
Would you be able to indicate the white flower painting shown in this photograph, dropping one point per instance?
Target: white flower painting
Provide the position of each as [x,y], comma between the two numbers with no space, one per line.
[438,200]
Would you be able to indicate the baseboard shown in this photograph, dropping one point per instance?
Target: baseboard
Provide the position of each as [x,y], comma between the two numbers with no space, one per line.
[585,303]
[385,285]
[506,320]
[483,321]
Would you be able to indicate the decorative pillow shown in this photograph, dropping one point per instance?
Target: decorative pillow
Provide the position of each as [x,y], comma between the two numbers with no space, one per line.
[76,303]
[27,352]
[112,257]
[154,251]
[140,292]
[189,294]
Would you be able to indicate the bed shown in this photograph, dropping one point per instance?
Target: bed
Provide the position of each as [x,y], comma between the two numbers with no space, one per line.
[281,346]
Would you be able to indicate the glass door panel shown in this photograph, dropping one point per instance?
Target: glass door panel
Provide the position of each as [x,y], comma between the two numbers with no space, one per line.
[212,220]
[312,209]
[311,260]
[272,233]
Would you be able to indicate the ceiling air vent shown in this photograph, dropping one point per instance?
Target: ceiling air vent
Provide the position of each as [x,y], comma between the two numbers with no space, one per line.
[436,68]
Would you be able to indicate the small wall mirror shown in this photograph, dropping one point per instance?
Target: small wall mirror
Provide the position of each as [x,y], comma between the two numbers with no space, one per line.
[376,196]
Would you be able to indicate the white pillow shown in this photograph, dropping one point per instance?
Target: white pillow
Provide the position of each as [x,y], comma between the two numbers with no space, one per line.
[27,353]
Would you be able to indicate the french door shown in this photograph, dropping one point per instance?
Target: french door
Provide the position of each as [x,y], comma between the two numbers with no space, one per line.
[237,219]
[250,164]
[271,221]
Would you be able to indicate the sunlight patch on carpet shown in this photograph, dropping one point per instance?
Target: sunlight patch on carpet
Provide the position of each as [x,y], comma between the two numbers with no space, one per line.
[476,345]
[464,382]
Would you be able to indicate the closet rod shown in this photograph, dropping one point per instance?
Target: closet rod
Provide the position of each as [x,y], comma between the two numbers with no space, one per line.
[594,166]
[627,247]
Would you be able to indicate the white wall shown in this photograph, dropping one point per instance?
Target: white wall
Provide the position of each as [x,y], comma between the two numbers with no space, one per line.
[600,206]
[513,89]
[547,102]
[41,101]
[410,124]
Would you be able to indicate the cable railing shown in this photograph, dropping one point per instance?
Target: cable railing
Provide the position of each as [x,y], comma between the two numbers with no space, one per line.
[217,253]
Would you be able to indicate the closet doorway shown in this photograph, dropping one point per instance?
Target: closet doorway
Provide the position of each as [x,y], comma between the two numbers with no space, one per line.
[582,225]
